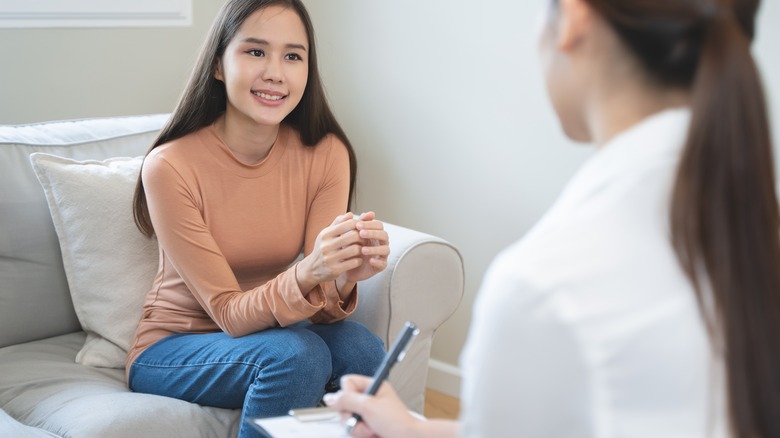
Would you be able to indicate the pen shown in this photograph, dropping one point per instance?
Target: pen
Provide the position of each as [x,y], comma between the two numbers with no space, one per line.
[396,354]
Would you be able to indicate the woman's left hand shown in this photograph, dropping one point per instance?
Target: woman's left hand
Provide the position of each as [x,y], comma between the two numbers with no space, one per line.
[375,248]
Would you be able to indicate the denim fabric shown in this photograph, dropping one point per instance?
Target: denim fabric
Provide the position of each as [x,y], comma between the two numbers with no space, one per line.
[265,373]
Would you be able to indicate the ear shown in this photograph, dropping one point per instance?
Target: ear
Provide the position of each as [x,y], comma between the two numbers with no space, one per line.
[218,71]
[576,20]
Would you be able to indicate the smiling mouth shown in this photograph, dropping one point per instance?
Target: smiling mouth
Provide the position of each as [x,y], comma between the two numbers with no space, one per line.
[267,96]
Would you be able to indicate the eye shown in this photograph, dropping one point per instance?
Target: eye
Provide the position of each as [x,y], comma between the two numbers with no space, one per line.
[293,57]
[256,52]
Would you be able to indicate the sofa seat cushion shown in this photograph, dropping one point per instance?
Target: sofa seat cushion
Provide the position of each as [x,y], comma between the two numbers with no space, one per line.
[42,386]
[9,427]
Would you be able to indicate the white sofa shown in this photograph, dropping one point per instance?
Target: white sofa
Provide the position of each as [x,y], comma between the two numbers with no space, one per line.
[44,391]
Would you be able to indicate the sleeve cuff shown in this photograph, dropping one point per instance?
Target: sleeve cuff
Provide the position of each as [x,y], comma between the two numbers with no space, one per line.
[302,307]
[336,309]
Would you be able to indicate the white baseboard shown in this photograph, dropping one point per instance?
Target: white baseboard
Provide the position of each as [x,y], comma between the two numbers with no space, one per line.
[444,377]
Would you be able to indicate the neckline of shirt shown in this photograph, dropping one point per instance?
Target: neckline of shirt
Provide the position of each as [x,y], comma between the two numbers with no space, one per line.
[226,159]
[658,138]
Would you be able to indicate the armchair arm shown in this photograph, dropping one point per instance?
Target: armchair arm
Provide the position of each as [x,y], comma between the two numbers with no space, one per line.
[423,283]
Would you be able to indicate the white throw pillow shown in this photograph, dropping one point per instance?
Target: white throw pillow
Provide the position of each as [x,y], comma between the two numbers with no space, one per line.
[109,264]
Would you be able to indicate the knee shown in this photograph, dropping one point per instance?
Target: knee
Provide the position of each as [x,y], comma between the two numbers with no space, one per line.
[365,339]
[303,354]
[365,348]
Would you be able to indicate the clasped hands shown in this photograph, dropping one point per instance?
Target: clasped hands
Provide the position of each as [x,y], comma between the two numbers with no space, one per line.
[352,248]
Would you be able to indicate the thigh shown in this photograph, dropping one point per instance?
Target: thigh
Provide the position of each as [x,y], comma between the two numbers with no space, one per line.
[213,369]
[353,347]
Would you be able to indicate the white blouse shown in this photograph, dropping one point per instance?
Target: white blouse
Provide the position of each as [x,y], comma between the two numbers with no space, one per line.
[587,327]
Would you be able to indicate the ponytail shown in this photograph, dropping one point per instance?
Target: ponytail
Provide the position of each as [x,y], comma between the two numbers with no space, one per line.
[726,227]
[725,221]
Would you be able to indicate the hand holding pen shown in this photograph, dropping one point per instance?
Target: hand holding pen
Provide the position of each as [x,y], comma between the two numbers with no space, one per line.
[373,399]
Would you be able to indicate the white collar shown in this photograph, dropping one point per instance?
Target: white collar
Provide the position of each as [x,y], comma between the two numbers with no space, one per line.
[658,138]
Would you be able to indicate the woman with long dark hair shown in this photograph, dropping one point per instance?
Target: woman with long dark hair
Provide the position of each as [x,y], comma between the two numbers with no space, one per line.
[647,301]
[251,171]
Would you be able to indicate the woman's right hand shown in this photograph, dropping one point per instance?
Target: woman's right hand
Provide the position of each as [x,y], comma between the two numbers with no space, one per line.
[384,414]
[338,249]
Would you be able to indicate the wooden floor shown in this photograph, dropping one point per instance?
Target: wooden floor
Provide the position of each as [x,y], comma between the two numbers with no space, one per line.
[439,405]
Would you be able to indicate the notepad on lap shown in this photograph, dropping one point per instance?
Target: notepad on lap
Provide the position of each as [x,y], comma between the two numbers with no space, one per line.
[306,423]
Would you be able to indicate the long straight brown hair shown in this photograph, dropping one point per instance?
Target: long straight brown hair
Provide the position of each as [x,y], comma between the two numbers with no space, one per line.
[204,98]
[725,221]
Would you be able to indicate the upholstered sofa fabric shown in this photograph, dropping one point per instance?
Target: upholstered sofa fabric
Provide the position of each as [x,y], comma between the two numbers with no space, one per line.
[44,387]
[32,277]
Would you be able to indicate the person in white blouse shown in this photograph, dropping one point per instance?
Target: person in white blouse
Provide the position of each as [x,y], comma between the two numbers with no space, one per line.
[646,302]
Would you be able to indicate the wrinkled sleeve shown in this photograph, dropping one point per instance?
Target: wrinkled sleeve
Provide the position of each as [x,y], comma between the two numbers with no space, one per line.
[191,248]
[330,200]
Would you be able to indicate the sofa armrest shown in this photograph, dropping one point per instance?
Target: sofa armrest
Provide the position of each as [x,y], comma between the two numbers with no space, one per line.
[423,283]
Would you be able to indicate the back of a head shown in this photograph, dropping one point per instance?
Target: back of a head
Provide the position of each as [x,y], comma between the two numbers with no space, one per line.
[724,213]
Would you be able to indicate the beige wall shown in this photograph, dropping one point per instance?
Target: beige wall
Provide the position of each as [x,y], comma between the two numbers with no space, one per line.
[444,101]
[49,74]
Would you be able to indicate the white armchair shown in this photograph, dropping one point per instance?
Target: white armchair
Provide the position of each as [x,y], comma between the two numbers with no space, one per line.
[423,283]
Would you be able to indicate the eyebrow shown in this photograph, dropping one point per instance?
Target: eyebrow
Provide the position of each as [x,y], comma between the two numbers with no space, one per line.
[266,43]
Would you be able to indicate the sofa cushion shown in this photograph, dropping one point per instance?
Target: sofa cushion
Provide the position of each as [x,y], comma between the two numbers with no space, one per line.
[109,264]
[9,427]
[43,387]
[34,298]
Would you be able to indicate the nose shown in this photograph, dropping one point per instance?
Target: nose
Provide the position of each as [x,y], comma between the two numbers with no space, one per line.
[273,70]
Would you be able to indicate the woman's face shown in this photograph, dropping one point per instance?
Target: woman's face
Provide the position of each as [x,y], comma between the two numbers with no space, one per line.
[565,80]
[265,66]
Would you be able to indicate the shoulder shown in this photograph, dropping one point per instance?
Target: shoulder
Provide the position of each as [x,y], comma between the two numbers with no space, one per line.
[329,146]
[509,302]
[519,265]
[329,156]
[182,147]
[506,287]
[334,150]
[521,339]
[175,154]
[518,290]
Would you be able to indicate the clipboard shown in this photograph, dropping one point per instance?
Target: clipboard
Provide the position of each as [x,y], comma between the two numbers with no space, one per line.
[324,422]
[321,422]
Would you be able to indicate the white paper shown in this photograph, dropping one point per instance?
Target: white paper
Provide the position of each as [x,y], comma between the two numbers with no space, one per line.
[290,427]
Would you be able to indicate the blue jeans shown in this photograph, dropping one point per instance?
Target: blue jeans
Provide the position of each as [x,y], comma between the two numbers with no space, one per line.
[265,373]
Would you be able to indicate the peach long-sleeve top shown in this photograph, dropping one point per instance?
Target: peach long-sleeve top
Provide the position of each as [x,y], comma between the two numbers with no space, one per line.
[229,234]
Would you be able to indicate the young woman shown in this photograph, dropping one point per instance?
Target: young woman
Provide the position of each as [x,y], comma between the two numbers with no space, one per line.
[646,302]
[252,170]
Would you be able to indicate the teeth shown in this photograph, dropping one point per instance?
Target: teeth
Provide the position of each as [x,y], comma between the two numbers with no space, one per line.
[267,96]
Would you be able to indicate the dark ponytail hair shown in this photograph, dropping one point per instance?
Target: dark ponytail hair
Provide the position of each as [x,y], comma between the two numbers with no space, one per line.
[204,99]
[725,221]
